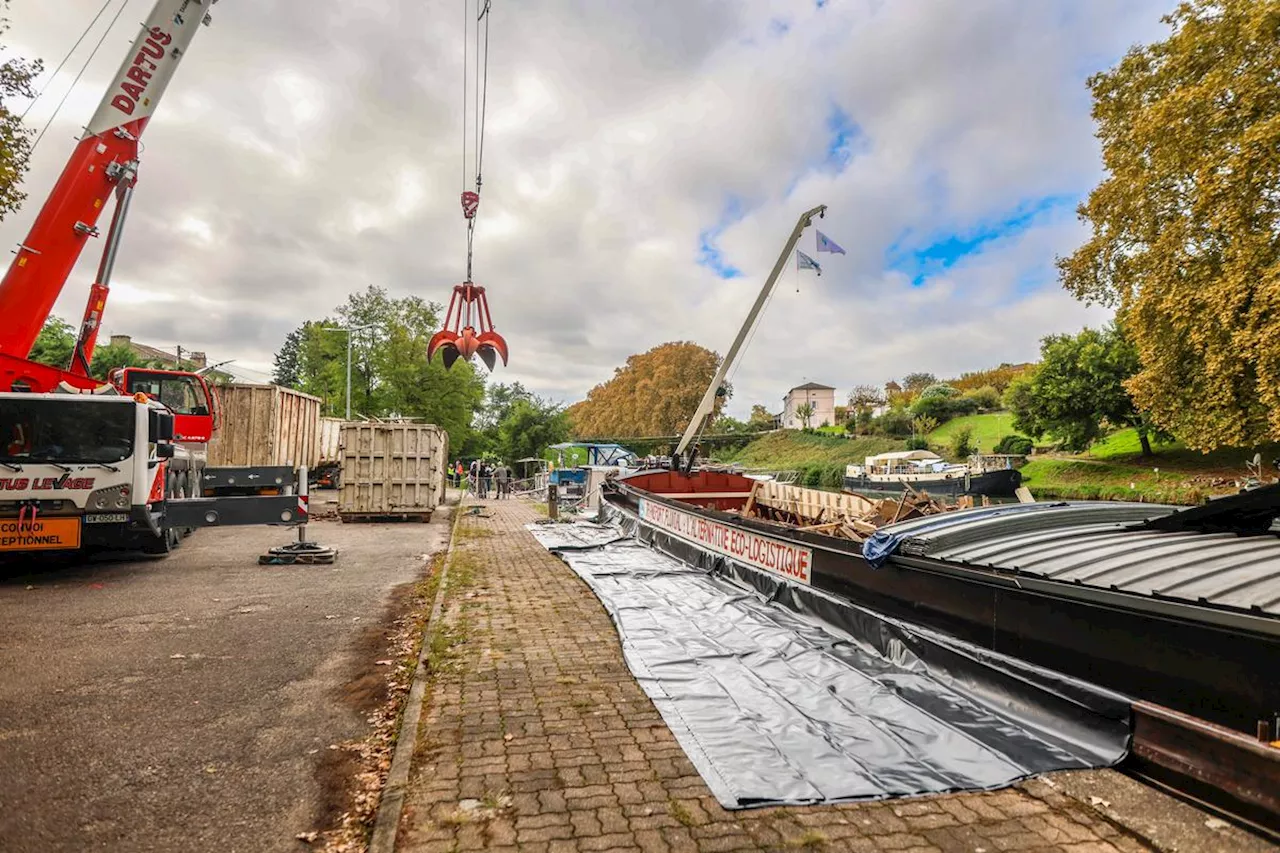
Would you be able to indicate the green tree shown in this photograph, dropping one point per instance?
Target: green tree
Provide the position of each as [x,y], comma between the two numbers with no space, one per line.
[390,373]
[54,344]
[108,358]
[16,76]
[805,413]
[529,426]
[1184,223]
[915,383]
[1079,390]
[288,361]
[961,444]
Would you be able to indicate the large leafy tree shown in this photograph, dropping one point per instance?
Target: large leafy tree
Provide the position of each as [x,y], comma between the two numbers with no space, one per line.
[16,76]
[528,427]
[390,373]
[1186,223]
[655,393]
[54,344]
[1078,390]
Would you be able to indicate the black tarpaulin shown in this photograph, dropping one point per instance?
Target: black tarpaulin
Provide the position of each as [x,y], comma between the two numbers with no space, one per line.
[783,695]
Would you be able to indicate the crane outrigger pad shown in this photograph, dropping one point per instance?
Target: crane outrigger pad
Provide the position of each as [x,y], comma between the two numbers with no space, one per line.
[299,553]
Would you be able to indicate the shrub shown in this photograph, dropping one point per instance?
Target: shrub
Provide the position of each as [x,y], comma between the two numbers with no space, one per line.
[985,397]
[919,442]
[895,422]
[1017,444]
[962,443]
[939,390]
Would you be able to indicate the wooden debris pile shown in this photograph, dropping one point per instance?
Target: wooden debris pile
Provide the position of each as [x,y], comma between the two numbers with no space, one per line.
[842,515]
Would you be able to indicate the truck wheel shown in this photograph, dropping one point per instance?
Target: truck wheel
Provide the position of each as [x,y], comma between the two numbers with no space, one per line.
[166,542]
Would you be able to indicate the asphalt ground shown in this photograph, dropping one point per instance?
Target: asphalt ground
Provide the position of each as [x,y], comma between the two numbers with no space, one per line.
[190,703]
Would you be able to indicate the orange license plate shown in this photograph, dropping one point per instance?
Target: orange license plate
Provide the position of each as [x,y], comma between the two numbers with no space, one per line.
[43,534]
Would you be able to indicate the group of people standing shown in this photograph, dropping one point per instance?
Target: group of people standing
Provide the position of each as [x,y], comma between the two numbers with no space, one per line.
[485,479]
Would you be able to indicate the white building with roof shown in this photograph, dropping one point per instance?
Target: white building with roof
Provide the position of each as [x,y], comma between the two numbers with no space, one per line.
[821,397]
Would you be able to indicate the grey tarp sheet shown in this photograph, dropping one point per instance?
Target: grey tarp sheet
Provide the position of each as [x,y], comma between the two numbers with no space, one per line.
[784,695]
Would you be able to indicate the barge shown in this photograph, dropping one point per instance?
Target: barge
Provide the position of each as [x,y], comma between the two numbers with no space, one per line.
[888,474]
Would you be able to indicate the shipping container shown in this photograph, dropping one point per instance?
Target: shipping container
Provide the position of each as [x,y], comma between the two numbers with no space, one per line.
[265,425]
[392,470]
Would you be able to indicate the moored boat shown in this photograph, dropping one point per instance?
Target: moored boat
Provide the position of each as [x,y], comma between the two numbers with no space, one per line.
[922,470]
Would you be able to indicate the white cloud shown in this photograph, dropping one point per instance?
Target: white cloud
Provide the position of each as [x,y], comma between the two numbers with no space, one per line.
[305,150]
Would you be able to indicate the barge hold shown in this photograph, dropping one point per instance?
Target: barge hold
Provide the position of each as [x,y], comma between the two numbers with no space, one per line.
[1175,608]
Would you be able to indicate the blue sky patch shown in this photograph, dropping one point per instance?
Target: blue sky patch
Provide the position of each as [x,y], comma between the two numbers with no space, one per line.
[709,254]
[843,132]
[944,249]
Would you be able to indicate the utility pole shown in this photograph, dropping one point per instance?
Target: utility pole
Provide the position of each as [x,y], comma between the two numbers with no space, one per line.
[348,330]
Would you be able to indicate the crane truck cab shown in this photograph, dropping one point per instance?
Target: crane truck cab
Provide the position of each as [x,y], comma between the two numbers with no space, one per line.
[186,395]
[84,471]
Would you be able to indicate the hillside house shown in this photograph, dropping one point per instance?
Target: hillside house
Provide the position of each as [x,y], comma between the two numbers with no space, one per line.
[821,397]
[190,360]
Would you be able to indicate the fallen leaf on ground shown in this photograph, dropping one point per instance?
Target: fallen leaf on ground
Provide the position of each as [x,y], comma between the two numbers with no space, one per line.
[177,657]
[307,836]
[1215,823]
[1098,801]
[383,663]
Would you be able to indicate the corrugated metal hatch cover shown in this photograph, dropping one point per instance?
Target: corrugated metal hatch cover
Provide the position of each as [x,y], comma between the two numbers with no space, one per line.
[1103,545]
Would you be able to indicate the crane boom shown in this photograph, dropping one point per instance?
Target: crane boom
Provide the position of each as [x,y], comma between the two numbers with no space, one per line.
[709,397]
[104,160]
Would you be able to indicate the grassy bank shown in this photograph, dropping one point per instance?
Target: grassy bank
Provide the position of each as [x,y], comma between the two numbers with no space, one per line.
[1114,469]
[820,459]
[987,429]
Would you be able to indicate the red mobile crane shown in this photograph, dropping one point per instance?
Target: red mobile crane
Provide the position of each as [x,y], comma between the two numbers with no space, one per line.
[78,466]
[104,162]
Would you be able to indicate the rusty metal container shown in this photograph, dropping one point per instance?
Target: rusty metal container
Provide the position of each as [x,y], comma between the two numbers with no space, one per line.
[265,425]
[392,470]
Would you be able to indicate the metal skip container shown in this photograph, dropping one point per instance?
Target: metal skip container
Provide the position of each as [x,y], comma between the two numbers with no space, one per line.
[392,470]
[265,425]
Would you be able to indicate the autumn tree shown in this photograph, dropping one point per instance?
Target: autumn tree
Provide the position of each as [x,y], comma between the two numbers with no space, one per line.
[1185,222]
[16,76]
[761,419]
[654,393]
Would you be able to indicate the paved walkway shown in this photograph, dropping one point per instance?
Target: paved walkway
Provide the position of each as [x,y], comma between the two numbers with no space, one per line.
[536,738]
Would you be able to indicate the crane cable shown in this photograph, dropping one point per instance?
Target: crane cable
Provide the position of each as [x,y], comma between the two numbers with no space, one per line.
[481,102]
[80,74]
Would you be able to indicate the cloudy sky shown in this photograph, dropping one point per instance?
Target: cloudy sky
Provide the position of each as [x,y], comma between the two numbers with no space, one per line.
[644,164]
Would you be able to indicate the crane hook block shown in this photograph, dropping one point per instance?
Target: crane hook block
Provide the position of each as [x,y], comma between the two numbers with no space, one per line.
[470,203]
[468,310]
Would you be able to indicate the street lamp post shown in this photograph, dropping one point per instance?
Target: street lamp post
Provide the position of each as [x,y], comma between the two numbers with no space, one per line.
[348,330]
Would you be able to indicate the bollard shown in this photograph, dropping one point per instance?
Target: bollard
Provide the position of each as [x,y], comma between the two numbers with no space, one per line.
[553,501]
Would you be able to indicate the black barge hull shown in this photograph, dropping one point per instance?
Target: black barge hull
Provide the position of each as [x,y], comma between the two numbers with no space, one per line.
[1209,666]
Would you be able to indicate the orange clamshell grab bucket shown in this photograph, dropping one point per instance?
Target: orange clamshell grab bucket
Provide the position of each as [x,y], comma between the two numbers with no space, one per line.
[459,338]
